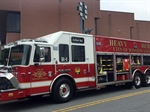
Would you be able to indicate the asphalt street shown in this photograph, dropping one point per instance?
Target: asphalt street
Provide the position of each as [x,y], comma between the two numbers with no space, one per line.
[112,99]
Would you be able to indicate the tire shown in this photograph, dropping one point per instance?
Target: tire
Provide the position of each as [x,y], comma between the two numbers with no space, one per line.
[146,79]
[62,90]
[137,81]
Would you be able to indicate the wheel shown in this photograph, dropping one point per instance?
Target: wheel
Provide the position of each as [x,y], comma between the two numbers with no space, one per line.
[146,79]
[62,90]
[137,80]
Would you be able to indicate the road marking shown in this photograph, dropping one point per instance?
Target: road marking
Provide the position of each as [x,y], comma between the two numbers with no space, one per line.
[68,109]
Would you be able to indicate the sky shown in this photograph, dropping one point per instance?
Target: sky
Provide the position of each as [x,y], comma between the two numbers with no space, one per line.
[140,8]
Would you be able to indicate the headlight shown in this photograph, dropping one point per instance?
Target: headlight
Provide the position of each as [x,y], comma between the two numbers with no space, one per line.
[8,81]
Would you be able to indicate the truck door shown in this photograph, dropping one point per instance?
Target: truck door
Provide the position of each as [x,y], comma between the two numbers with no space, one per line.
[41,70]
[82,60]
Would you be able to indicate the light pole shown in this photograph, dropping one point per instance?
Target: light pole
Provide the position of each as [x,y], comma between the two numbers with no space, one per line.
[82,8]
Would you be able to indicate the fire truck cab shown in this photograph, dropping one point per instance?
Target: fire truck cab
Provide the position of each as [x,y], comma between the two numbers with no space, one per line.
[62,63]
[58,63]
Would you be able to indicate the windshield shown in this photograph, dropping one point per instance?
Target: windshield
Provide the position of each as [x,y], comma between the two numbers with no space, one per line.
[20,55]
[4,56]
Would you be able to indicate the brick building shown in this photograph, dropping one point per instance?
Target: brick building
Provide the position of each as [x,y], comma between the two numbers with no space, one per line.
[34,18]
[123,25]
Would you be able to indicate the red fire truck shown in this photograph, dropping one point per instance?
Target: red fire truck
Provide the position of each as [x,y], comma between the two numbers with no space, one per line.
[63,63]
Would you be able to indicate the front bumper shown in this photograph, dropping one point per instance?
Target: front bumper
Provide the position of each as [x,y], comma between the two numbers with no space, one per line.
[9,88]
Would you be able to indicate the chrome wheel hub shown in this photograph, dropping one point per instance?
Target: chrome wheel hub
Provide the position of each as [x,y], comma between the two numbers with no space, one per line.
[137,81]
[148,79]
[64,90]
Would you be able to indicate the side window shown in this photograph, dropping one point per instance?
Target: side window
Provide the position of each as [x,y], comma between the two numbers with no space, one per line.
[37,54]
[78,53]
[146,60]
[47,54]
[63,53]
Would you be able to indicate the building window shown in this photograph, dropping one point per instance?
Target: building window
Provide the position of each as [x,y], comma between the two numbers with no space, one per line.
[63,53]
[78,53]
[13,22]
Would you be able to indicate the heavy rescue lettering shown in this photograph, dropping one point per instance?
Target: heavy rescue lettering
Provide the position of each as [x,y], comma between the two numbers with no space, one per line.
[145,45]
[118,43]
[121,46]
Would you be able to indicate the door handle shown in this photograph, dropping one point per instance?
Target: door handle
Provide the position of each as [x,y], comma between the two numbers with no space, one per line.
[88,64]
